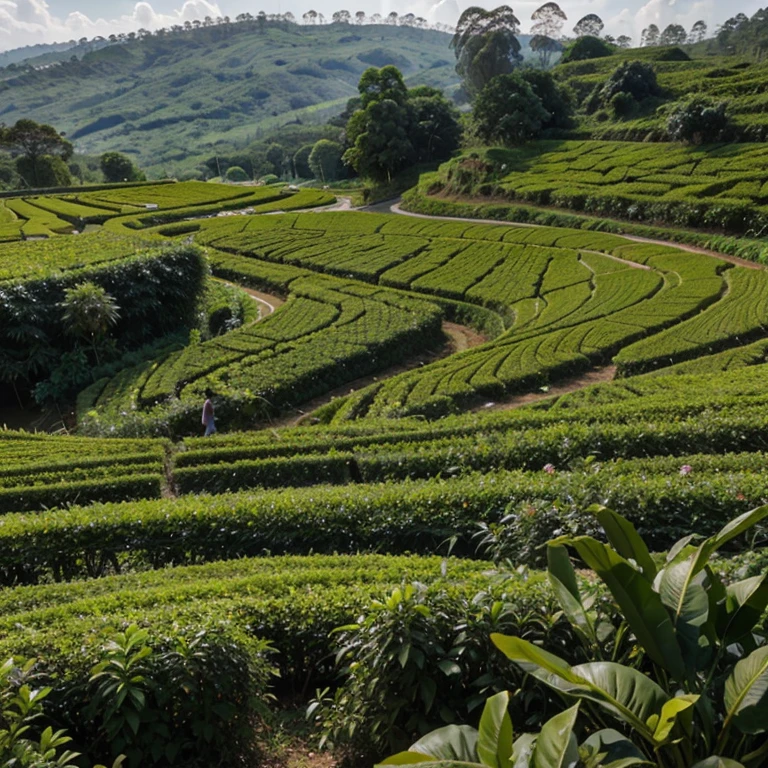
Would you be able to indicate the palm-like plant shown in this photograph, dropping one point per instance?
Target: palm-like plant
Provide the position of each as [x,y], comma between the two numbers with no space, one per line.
[692,691]
[89,311]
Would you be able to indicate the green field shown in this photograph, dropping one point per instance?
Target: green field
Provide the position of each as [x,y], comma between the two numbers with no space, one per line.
[450,428]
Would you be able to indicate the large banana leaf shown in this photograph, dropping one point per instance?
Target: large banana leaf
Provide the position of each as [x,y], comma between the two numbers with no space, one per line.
[454,745]
[494,739]
[626,540]
[746,694]
[617,750]
[689,602]
[556,746]
[744,605]
[626,693]
[639,603]
[562,577]
[682,591]
[676,711]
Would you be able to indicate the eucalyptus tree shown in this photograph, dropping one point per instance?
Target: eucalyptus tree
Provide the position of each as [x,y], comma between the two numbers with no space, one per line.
[485,45]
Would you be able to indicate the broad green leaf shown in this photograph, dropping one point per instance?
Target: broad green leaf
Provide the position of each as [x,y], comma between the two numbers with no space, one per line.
[452,742]
[734,528]
[625,692]
[642,607]
[494,738]
[718,762]
[405,759]
[680,574]
[746,694]
[532,658]
[745,603]
[619,751]
[684,593]
[522,750]
[626,540]
[562,577]
[556,746]
[671,713]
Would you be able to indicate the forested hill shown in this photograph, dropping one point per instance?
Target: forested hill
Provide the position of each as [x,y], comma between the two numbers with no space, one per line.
[172,100]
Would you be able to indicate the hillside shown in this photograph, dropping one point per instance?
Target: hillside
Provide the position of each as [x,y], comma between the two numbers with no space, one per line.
[738,80]
[172,101]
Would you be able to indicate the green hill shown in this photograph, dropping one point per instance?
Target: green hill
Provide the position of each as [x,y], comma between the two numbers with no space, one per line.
[173,100]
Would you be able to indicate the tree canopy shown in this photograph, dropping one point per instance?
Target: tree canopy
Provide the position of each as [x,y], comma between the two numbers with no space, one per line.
[508,111]
[395,127]
[486,45]
[118,167]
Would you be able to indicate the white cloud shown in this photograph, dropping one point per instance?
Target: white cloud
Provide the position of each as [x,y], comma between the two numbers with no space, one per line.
[27,22]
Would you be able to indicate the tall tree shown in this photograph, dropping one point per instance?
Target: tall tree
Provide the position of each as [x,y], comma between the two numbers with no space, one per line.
[508,111]
[546,30]
[341,17]
[485,45]
[549,20]
[395,127]
[624,41]
[591,25]
[698,32]
[117,167]
[674,34]
[649,36]
[35,146]
[378,84]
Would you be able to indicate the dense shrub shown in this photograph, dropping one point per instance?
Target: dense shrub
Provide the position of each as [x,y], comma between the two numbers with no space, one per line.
[587,47]
[508,111]
[698,121]
[236,173]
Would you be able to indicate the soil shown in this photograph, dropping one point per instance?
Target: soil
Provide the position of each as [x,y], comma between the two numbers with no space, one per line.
[564,387]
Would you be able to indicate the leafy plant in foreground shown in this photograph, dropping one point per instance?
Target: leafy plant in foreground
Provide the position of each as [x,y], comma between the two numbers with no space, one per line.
[694,695]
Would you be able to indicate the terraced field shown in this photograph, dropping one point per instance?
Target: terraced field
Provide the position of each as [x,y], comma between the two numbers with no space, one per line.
[232,547]
[135,206]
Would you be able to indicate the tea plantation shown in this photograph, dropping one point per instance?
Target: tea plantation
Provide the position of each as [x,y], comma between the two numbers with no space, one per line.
[205,576]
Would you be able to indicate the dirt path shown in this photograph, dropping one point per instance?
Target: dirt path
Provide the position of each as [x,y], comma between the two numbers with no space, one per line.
[268,301]
[395,208]
[459,338]
[564,387]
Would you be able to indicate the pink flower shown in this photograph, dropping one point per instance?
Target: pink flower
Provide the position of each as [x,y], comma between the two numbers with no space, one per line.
[549,469]
[686,469]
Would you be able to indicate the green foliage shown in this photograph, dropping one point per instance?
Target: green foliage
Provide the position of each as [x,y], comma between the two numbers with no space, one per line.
[707,187]
[698,121]
[89,311]
[587,47]
[301,162]
[117,167]
[236,173]
[555,98]
[34,335]
[43,171]
[635,78]
[688,686]
[325,160]
[485,45]
[418,658]
[508,111]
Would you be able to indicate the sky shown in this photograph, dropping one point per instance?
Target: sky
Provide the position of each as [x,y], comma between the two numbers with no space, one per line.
[26,22]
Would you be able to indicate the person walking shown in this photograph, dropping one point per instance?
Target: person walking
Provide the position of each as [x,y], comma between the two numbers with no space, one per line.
[209,421]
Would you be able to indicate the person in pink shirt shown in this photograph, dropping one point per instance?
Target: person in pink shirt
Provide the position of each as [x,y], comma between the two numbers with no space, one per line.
[209,422]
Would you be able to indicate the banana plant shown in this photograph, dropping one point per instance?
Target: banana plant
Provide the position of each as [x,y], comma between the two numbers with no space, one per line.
[493,745]
[691,691]
[697,685]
